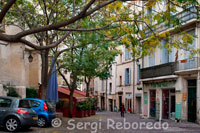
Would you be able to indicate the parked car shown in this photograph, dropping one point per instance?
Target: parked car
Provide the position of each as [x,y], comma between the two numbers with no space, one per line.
[44,110]
[16,113]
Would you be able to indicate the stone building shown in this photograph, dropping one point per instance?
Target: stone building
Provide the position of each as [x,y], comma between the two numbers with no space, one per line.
[16,71]
[122,86]
[171,79]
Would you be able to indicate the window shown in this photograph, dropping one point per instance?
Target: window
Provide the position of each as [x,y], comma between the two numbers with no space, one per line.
[5,102]
[51,106]
[102,85]
[187,53]
[110,90]
[35,103]
[24,104]
[164,53]
[127,54]
[138,74]
[127,76]
[152,59]
[120,80]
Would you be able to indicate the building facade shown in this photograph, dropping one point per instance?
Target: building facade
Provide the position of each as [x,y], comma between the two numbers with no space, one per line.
[171,79]
[123,87]
[16,71]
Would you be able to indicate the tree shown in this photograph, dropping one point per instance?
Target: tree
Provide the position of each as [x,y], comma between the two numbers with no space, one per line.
[97,57]
[52,21]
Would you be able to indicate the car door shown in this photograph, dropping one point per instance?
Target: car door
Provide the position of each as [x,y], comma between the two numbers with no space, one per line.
[4,108]
[35,105]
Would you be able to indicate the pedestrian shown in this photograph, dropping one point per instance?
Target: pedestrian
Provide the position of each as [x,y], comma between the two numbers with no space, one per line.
[122,110]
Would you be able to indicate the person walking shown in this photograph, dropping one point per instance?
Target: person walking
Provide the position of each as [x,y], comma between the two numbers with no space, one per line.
[122,110]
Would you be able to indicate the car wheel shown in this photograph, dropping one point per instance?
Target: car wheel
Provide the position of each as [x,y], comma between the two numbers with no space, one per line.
[42,122]
[12,124]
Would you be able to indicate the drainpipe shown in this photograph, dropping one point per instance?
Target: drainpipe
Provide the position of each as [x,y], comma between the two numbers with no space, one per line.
[106,92]
[133,85]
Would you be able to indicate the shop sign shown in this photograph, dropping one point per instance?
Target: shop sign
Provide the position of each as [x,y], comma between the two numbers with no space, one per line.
[170,84]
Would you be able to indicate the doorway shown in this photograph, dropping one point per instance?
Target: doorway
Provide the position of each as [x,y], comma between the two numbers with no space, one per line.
[168,104]
[111,105]
[192,86]
[139,105]
[153,103]
[120,102]
[102,103]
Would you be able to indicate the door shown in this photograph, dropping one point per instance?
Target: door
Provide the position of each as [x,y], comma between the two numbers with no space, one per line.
[153,103]
[111,105]
[192,100]
[165,104]
[139,105]
[120,102]
[4,108]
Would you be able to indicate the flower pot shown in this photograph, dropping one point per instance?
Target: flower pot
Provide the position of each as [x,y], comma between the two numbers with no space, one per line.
[93,112]
[88,112]
[66,112]
[80,113]
[85,113]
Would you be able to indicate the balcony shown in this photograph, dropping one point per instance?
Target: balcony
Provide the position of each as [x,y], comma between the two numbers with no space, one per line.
[158,70]
[183,16]
[188,65]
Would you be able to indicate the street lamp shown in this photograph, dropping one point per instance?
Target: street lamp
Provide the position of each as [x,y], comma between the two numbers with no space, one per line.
[30,58]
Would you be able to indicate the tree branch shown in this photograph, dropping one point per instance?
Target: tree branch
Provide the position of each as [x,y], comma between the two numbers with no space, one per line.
[15,38]
[87,30]
[5,9]
[44,47]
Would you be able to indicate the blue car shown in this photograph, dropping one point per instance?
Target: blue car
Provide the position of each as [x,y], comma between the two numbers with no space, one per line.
[44,110]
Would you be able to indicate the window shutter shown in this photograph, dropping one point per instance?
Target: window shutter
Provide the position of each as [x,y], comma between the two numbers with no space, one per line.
[126,54]
[171,56]
[125,77]
[138,74]
[165,55]
[129,76]
[129,55]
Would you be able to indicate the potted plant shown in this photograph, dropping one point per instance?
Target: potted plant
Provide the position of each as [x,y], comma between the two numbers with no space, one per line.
[94,105]
[84,108]
[89,108]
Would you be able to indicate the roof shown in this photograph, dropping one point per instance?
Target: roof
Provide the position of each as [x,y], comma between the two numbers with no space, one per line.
[8,97]
[65,90]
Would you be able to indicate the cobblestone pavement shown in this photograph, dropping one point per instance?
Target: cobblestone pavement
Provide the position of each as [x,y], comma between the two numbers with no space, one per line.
[109,122]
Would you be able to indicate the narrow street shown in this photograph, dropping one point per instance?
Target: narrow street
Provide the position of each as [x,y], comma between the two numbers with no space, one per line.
[106,122]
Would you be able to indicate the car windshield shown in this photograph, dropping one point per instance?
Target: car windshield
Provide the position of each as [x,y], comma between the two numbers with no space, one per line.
[24,104]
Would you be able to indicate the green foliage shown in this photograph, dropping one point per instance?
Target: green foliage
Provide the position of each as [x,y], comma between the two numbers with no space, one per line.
[93,102]
[11,91]
[31,93]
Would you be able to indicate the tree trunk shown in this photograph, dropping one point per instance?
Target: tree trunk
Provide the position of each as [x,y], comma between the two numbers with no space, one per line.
[87,87]
[73,87]
[44,72]
[71,102]
[87,90]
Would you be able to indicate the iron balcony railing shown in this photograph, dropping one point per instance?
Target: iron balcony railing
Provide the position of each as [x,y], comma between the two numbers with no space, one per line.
[158,70]
[186,64]
[183,16]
